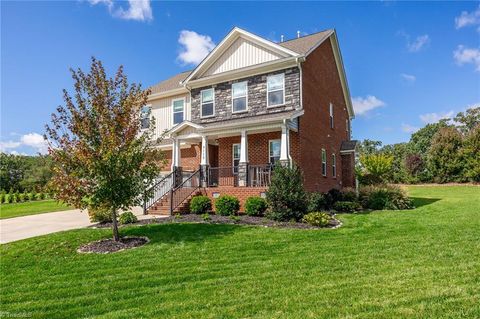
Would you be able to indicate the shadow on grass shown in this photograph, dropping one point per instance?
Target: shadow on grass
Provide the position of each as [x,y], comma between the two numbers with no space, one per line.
[422,201]
[175,233]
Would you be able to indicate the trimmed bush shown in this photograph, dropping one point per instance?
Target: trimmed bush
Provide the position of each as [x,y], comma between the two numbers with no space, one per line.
[286,196]
[100,215]
[319,219]
[255,206]
[127,218]
[316,202]
[227,205]
[346,207]
[206,217]
[349,194]
[200,205]
[9,198]
[2,198]
[41,196]
[385,197]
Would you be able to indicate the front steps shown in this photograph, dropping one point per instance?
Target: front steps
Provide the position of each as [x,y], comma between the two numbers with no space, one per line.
[162,206]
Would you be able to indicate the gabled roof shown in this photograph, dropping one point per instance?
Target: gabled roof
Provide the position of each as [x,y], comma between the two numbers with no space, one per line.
[348,146]
[170,83]
[304,45]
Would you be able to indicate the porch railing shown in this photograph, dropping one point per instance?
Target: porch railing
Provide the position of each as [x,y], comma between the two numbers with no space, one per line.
[222,176]
[188,186]
[260,175]
[154,193]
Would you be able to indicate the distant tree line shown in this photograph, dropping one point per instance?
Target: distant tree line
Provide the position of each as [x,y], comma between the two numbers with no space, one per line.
[447,151]
[20,173]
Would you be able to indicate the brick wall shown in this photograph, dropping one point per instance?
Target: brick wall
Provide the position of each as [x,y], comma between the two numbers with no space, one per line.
[257,97]
[322,86]
[348,166]
[242,193]
[190,158]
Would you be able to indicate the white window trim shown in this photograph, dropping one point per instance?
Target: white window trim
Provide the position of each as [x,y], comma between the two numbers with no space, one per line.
[246,97]
[324,162]
[149,118]
[269,147]
[283,102]
[334,165]
[173,110]
[233,157]
[201,103]
[331,118]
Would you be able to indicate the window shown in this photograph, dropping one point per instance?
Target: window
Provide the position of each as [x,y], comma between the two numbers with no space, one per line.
[178,109]
[235,157]
[324,162]
[334,165]
[276,89]
[331,115]
[145,117]
[239,97]
[208,103]
[274,151]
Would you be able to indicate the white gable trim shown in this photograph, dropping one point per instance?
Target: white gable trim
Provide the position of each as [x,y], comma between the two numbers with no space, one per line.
[227,41]
[183,125]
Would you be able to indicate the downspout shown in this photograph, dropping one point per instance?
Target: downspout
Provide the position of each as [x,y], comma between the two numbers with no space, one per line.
[299,61]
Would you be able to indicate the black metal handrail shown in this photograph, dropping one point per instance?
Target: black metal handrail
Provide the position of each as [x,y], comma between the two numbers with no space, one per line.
[184,190]
[222,176]
[157,191]
[260,175]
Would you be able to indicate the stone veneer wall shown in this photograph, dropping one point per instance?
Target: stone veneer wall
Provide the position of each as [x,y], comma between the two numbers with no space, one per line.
[257,97]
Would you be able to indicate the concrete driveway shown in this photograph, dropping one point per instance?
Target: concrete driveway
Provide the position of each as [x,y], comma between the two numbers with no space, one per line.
[13,229]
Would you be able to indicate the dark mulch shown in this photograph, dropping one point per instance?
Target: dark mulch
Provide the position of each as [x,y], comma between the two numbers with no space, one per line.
[237,220]
[105,246]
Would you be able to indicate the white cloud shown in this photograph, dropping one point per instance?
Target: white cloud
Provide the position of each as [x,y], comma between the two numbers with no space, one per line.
[468,18]
[34,141]
[429,118]
[416,45]
[408,77]
[363,105]
[463,55]
[195,47]
[139,10]
[407,128]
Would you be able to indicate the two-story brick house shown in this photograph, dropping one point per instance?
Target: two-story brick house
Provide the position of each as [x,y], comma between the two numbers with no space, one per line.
[249,104]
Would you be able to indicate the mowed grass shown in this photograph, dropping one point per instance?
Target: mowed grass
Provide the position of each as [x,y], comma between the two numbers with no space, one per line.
[421,263]
[31,208]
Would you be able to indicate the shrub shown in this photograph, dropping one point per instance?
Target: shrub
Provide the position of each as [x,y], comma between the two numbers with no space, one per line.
[127,218]
[286,196]
[319,219]
[16,197]
[2,198]
[41,196]
[9,198]
[346,207]
[33,195]
[316,202]
[22,197]
[206,217]
[227,205]
[255,206]
[349,194]
[100,215]
[375,167]
[200,205]
[384,197]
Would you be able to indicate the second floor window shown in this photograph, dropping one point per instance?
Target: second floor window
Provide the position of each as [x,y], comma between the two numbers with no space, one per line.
[274,151]
[178,111]
[235,157]
[334,165]
[324,162]
[239,97]
[207,103]
[276,89]
[331,115]
[145,117]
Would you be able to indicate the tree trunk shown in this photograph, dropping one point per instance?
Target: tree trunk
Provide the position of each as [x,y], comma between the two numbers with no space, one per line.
[116,237]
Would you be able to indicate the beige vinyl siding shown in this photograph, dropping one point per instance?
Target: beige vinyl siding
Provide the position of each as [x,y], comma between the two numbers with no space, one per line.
[162,112]
[240,54]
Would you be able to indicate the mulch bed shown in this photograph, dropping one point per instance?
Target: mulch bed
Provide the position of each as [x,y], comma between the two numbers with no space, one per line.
[238,220]
[105,246]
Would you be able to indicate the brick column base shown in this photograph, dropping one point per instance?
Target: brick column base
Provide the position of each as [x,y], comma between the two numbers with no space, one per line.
[243,174]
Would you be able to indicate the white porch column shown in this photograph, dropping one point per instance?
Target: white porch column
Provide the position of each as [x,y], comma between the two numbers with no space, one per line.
[204,156]
[175,153]
[244,147]
[285,144]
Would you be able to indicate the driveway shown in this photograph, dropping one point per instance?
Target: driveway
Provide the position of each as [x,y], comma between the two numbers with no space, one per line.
[13,229]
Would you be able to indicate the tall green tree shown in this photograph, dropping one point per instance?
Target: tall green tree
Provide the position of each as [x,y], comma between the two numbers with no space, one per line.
[471,154]
[445,156]
[468,120]
[421,140]
[102,159]
[375,168]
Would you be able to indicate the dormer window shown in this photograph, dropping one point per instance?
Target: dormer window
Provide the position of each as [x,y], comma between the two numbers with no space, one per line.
[276,89]
[239,97]
[178,111]
[145,117]
[207,103]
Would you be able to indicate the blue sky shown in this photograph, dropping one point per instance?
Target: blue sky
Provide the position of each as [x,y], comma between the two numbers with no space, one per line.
[407,63]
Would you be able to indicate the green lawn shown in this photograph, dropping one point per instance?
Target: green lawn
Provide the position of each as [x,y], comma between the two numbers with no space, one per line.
[30,208]
[422,263]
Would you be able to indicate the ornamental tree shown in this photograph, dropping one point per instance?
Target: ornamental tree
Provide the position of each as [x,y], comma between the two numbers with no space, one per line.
[102,159]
